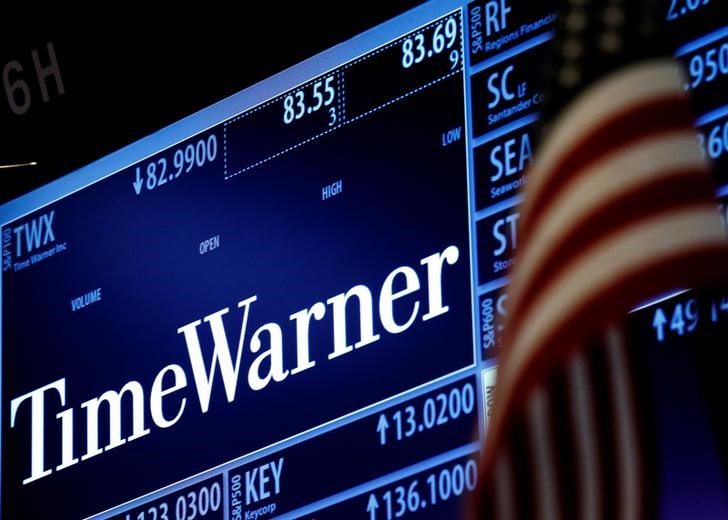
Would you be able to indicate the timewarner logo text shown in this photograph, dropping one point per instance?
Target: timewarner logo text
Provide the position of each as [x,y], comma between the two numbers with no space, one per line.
[266,364]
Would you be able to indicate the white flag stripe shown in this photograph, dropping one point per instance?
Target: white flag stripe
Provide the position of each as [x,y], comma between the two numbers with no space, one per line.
[542,446]
[627,88]
[632,250]
[505,495]
[626,431]
[617,175]
[588,463]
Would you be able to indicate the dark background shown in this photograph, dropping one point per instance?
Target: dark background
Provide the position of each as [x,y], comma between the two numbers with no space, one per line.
[127,73]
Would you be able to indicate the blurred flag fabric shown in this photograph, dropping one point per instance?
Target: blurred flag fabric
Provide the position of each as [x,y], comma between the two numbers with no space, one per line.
[619,207]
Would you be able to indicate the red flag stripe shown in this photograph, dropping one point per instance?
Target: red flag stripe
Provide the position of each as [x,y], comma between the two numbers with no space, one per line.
[628,249]
[618,207]
[652,119]
[544,463]
[600,110]
[589,286]
[650,279]
[666,172]
[661,201]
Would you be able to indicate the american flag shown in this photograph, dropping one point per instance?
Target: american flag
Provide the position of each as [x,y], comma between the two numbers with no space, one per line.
[619,208]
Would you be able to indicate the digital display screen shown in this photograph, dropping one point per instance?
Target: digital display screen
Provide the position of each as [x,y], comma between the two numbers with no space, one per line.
[286,305]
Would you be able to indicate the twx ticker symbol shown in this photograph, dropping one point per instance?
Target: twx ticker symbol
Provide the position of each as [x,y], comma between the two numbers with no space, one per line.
[33,234]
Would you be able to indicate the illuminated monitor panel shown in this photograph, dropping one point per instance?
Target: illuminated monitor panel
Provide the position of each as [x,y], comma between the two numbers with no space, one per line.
[285,305]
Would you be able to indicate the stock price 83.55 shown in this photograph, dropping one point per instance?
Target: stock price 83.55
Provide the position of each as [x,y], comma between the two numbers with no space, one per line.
[309,100]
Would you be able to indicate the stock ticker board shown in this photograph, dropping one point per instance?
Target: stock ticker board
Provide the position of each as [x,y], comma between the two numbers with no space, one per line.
[287,305]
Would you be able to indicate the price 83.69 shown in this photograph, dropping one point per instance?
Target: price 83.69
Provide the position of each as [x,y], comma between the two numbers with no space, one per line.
[418,47]
[310,99]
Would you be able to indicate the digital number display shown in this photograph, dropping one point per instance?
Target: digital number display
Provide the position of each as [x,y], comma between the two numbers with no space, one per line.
[291,306]
[681,8]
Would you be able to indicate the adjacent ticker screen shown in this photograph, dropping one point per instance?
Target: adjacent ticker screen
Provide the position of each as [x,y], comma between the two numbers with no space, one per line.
[286,305]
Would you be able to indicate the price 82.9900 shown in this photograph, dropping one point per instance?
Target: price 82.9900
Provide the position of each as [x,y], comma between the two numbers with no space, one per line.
[156,172]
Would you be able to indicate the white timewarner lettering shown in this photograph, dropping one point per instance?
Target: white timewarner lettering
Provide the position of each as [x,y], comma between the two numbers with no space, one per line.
[266,366]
